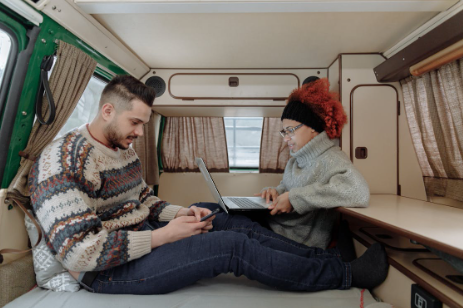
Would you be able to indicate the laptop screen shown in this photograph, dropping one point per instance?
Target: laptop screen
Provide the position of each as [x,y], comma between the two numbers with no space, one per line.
[210,183]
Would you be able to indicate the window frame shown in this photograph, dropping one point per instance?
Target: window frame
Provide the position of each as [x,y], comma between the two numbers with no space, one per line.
[11,63]
[244,168]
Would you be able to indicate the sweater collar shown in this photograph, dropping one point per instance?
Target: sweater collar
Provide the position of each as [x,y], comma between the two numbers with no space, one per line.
[97,144]
[313,149]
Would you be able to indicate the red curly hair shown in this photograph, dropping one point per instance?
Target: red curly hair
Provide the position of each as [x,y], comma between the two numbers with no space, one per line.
[325,105]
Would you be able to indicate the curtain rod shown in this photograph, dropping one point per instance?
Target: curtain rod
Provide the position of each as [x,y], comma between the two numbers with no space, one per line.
[447,55]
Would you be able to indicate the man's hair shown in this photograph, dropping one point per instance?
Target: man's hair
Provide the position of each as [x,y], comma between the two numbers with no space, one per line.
[122,89]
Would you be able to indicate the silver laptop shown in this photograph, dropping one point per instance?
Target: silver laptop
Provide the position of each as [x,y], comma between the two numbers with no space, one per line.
[231,204]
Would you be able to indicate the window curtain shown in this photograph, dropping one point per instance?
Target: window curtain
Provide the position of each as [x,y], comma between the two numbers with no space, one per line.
[434,109]
[68,80]
[274,152]
[146,149]
[185,138]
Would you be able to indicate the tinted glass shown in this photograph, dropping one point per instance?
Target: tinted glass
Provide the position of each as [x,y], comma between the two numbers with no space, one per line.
[5,47]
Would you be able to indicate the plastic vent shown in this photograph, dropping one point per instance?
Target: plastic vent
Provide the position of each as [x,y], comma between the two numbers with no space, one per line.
[158,84]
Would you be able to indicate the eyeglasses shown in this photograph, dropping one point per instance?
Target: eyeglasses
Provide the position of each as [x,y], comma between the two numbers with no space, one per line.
[289,131]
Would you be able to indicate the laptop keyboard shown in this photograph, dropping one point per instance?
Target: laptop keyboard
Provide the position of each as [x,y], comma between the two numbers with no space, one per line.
[245,203]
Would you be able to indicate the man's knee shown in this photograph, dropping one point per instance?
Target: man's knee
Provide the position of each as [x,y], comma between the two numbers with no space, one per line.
[236,241]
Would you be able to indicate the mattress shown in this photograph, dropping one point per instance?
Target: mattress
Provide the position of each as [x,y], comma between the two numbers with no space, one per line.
[224,291]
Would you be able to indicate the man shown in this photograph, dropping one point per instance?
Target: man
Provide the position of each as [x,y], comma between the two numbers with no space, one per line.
[114,236]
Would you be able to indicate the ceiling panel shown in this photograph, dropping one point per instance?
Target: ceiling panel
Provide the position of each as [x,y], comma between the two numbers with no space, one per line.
[258,40]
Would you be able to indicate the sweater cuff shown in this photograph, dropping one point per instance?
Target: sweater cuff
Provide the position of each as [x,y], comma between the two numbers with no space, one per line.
[280,190]
[168,213]
[139,244]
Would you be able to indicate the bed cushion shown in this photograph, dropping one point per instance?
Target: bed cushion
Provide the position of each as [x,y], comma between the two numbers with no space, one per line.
[49,273]
[223,291]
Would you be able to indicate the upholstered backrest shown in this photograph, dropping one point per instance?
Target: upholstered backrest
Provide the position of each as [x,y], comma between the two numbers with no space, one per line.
[188,188]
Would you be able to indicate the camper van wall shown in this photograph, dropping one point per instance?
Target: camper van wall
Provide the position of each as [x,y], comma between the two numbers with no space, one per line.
[202,92]
[84,26]
[357,70]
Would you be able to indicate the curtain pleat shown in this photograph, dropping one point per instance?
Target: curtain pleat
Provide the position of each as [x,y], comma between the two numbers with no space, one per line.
[185,138]
[68,80]
[434,109]
[274,152]
[146,149]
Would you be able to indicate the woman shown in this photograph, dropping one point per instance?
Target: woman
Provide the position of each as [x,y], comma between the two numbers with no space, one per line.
[319,176]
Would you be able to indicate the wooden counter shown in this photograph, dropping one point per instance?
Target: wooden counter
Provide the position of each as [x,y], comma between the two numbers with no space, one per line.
[430,224]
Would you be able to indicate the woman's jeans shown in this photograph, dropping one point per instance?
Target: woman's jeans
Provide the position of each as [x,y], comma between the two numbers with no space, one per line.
[237,245]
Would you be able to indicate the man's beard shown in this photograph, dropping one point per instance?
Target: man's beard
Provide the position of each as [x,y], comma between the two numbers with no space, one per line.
[114,137]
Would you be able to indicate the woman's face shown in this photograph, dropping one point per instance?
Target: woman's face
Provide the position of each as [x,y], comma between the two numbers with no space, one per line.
[300,137]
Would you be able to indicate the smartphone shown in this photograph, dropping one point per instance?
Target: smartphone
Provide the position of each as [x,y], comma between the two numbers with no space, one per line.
[210,215]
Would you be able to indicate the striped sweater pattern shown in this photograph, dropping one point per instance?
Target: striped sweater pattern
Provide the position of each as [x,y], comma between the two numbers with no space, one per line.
[90,201]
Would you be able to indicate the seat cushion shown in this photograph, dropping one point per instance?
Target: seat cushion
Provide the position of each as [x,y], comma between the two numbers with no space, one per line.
[224,291]
[49,273]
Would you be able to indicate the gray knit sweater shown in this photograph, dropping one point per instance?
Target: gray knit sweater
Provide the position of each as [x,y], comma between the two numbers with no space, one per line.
[319,177]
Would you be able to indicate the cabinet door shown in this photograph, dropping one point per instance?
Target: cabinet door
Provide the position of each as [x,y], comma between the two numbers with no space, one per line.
[374,138]
[232,86]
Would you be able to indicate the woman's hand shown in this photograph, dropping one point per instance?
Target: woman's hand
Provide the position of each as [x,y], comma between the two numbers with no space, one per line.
[281,205]
[269,194]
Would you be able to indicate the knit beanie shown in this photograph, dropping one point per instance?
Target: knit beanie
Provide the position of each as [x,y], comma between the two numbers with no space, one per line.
[310,79]
[313,105]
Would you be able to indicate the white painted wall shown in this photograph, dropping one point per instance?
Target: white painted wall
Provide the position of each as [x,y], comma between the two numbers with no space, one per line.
[356,70]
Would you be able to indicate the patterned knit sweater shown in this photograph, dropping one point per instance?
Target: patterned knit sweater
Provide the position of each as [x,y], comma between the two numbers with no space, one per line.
[90,200]
[319,177]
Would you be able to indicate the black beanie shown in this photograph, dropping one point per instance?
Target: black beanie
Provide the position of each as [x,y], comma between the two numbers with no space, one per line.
[310,79]
[304,114]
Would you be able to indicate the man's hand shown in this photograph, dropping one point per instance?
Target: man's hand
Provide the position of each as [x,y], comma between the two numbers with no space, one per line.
[197,212]
[281,205]
[269,194]
[177,229]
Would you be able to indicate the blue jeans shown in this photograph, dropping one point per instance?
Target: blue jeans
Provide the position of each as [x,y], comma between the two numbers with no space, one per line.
[235,244]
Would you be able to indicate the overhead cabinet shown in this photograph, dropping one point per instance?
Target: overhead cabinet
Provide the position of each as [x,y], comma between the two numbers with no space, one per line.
[232,86]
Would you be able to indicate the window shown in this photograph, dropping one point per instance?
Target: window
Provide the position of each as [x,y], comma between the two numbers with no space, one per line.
[86,108]
[243,141]
[5,47]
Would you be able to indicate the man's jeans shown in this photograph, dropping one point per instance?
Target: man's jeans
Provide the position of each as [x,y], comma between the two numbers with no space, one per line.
[237,245]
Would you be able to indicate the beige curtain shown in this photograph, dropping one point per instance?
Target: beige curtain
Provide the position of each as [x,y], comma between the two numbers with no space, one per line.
[146,149]
[71,74]
[434,109]
[185,138]
[274,152]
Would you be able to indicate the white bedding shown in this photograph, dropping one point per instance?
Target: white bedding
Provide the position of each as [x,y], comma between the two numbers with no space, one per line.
[225,291]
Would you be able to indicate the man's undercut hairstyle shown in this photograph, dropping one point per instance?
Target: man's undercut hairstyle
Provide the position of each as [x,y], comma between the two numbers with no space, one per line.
[122,89]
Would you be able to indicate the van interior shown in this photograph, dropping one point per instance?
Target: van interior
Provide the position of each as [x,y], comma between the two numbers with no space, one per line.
[224,69]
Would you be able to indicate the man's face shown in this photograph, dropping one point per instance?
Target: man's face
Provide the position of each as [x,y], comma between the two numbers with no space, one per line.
[127,125]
